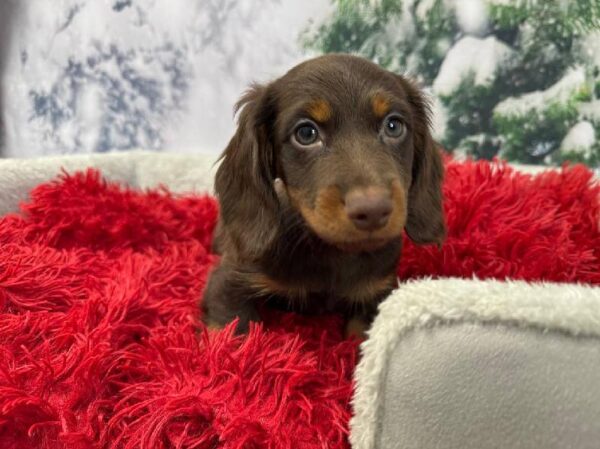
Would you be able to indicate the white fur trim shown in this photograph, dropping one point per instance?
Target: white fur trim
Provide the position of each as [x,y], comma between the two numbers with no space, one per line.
[570,308]
[181,173]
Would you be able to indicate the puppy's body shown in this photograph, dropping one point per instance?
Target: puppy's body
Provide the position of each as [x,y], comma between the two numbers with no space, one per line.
[309,277]
[329,164]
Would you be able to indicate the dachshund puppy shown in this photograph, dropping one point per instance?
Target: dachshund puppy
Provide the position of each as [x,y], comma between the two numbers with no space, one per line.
[329,164]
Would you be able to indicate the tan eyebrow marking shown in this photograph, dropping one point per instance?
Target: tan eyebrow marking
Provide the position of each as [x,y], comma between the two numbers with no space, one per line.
[380,105]
[320,110]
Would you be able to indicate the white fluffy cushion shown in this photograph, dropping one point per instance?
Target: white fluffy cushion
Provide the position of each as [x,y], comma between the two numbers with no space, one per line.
[456,363]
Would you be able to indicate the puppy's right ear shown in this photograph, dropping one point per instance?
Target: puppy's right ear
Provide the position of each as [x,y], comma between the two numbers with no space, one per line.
[244,180]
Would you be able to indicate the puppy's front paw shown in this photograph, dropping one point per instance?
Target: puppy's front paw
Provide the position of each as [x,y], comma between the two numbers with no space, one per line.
[242,326]
[213,325]
[357,327]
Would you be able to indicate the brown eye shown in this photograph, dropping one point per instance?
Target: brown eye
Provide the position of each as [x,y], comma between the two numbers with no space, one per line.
[306,134]
[393,127]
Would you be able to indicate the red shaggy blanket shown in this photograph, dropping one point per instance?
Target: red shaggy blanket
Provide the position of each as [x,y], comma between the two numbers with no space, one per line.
[100,344]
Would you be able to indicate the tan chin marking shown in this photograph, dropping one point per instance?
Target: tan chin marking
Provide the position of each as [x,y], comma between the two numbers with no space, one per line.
[329,221]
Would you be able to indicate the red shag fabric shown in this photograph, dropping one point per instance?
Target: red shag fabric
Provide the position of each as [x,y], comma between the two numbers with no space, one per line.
[100,344]
[506,224]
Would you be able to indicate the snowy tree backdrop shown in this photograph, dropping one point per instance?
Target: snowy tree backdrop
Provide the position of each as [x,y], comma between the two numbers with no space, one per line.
[517,79]
[100,75]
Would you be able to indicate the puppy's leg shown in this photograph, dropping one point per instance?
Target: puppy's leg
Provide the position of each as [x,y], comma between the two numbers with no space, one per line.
[225,300]
[357,327]
[359,322]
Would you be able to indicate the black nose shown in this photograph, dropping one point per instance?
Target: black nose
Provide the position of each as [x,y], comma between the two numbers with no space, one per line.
[369,209]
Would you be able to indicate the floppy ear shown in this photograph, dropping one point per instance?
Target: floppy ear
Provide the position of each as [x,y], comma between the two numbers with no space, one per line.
[244,180]
[425,221]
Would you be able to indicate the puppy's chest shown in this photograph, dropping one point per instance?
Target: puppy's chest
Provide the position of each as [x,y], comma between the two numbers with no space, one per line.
[331,280]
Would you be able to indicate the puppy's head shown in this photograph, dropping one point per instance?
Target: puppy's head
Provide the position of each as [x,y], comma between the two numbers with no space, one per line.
[352,145]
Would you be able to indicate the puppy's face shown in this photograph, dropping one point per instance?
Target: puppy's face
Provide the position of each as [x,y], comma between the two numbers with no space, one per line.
[344,137]
[351,143]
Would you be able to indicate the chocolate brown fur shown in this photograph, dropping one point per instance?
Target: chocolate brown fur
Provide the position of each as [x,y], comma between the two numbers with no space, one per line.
[283,232]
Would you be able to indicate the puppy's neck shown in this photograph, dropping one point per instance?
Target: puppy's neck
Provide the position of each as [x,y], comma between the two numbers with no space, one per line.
[299,256]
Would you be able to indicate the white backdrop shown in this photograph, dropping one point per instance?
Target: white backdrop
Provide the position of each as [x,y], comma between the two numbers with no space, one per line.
[99,75]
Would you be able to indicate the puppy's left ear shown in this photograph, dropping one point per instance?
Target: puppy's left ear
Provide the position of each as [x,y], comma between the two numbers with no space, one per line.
[425,221]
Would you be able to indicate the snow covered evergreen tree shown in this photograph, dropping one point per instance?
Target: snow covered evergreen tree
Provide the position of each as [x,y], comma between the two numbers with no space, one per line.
[519,79]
